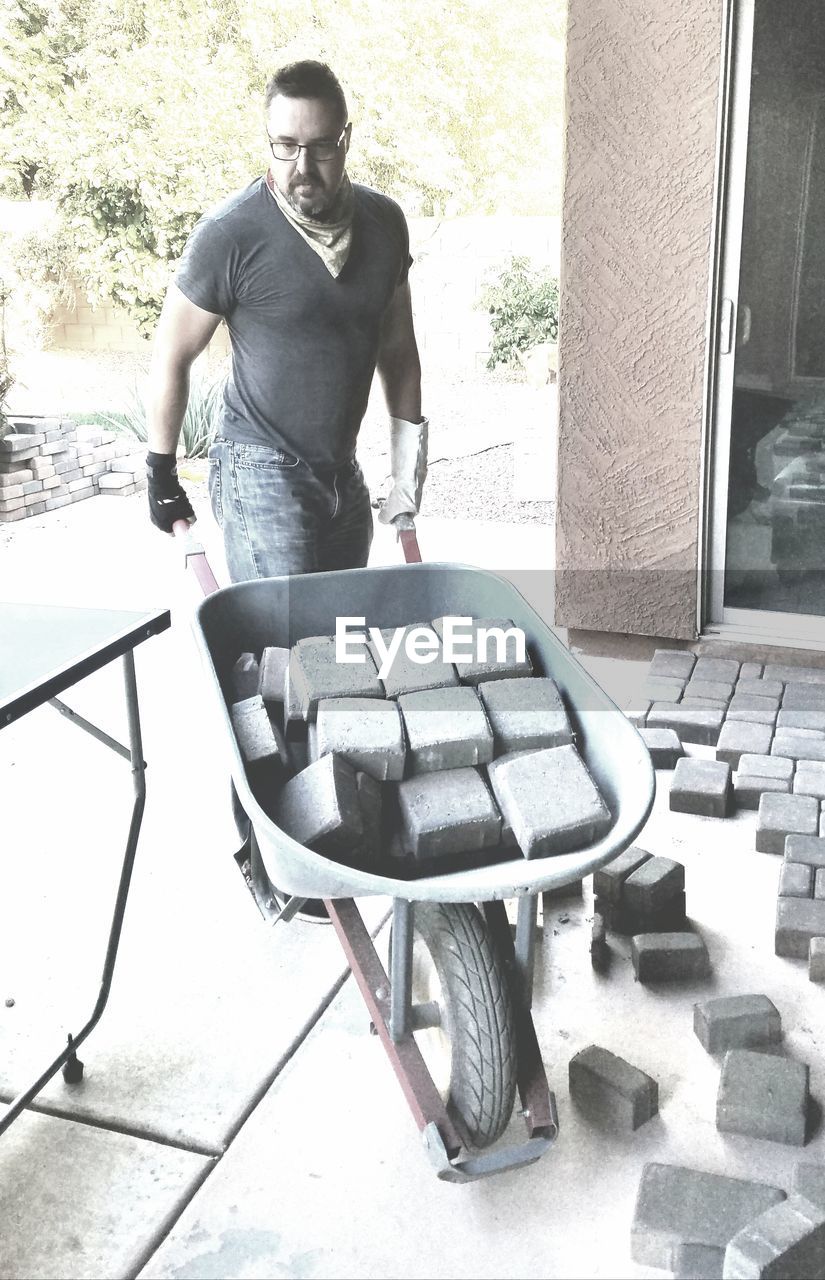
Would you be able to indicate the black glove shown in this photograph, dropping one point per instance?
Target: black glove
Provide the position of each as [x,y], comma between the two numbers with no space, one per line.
[167,500]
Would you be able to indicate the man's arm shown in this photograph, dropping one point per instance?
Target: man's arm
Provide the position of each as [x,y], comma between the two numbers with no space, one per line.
[183,332]
[399,369]
[399,366]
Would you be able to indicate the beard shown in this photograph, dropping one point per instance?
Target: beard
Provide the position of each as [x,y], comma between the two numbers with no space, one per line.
[313,201]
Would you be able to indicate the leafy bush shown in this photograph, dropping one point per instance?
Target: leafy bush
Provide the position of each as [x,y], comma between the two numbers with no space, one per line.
[523,302]
[199,424]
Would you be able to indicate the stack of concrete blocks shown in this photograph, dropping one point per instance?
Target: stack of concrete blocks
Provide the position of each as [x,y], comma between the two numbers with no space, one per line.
[698,1224]
[461,758]
[48,463]
[643,896]
[800,906]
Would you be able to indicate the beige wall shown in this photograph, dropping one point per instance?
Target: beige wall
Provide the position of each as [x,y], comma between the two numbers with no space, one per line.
[642,84]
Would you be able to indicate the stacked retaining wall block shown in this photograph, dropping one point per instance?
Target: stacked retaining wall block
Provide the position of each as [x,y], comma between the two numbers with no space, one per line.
[476,765]
[643,897]
[48,463]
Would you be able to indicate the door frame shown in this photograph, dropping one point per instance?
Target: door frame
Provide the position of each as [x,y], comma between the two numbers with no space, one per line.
[804,631]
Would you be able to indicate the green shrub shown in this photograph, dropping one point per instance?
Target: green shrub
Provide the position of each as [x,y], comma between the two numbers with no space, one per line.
[199,424]
[523,302]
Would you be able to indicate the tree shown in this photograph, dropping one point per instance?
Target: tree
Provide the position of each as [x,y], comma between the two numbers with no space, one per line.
[136,116]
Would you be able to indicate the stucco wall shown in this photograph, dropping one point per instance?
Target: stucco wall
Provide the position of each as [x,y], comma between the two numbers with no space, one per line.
[642,85]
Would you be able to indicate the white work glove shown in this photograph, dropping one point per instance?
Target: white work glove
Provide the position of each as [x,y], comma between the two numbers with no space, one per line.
[408,459]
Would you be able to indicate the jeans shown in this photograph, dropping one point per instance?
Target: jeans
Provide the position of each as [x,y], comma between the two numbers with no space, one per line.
[279,516]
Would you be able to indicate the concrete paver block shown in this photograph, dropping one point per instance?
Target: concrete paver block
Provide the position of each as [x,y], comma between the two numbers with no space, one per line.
[258,738]
[763,1096]
[274,666]
[766,766]
[779,816]
[696,1262]
[808,719]
[754,710]
[692,723]
[796,880]
[664,746]
[714,690]
[803,697]
[405,674]
[799,744]
[819,882]
[701,786]
[759,688]
[495,665]
[314,674]
[809,779]
[797,921]
[446,729]
[670,917]
[669,957]
[675,1205]
[659,689]
[608,880]
[611,1091]
[749,789]
[675,663]
[737,1022]
[786,1242]
[319,807]
[816,959]
[717,669]
[653,884]
[740,737]
[714,704]
[365,731]
[794,675]
[451,811]
[751,671]
[549,799]
[525,714]
[599,948]
[808,849]
[808,1180]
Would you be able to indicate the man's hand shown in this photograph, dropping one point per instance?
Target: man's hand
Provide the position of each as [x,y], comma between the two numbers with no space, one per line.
[408,455]
[167,500]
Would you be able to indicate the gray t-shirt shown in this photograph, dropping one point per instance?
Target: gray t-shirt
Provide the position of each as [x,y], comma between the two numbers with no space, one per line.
[304,343]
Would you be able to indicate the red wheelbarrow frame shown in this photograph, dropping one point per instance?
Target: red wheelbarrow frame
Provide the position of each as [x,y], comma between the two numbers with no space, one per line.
[389,999]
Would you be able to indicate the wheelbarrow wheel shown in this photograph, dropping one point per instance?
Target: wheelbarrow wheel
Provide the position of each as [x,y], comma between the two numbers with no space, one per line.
[471,1054]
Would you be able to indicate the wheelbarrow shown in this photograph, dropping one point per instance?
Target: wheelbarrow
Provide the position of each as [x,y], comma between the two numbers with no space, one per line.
[454,1011]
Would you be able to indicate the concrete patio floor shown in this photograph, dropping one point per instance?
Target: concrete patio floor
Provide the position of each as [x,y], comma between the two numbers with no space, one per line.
[236,1119]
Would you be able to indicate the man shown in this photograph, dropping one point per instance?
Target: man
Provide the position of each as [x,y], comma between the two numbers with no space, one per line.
[309,271]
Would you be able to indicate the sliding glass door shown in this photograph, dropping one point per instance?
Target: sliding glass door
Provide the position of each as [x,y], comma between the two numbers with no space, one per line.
[767,529]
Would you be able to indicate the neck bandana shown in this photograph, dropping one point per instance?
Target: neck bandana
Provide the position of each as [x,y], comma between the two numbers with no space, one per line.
[332,238]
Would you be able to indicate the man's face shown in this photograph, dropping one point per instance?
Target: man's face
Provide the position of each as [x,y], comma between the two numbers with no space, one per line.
[309,185]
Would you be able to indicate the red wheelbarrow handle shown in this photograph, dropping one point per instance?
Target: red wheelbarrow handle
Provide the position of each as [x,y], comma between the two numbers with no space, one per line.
[405,528]
[195,557]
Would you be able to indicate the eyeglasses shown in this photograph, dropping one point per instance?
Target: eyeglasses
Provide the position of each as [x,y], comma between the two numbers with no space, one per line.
[322,150]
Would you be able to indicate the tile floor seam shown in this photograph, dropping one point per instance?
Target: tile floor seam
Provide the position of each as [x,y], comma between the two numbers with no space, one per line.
[254,1102]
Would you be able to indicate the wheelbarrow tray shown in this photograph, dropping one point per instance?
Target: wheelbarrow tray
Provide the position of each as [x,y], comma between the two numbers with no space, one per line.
[249,616]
